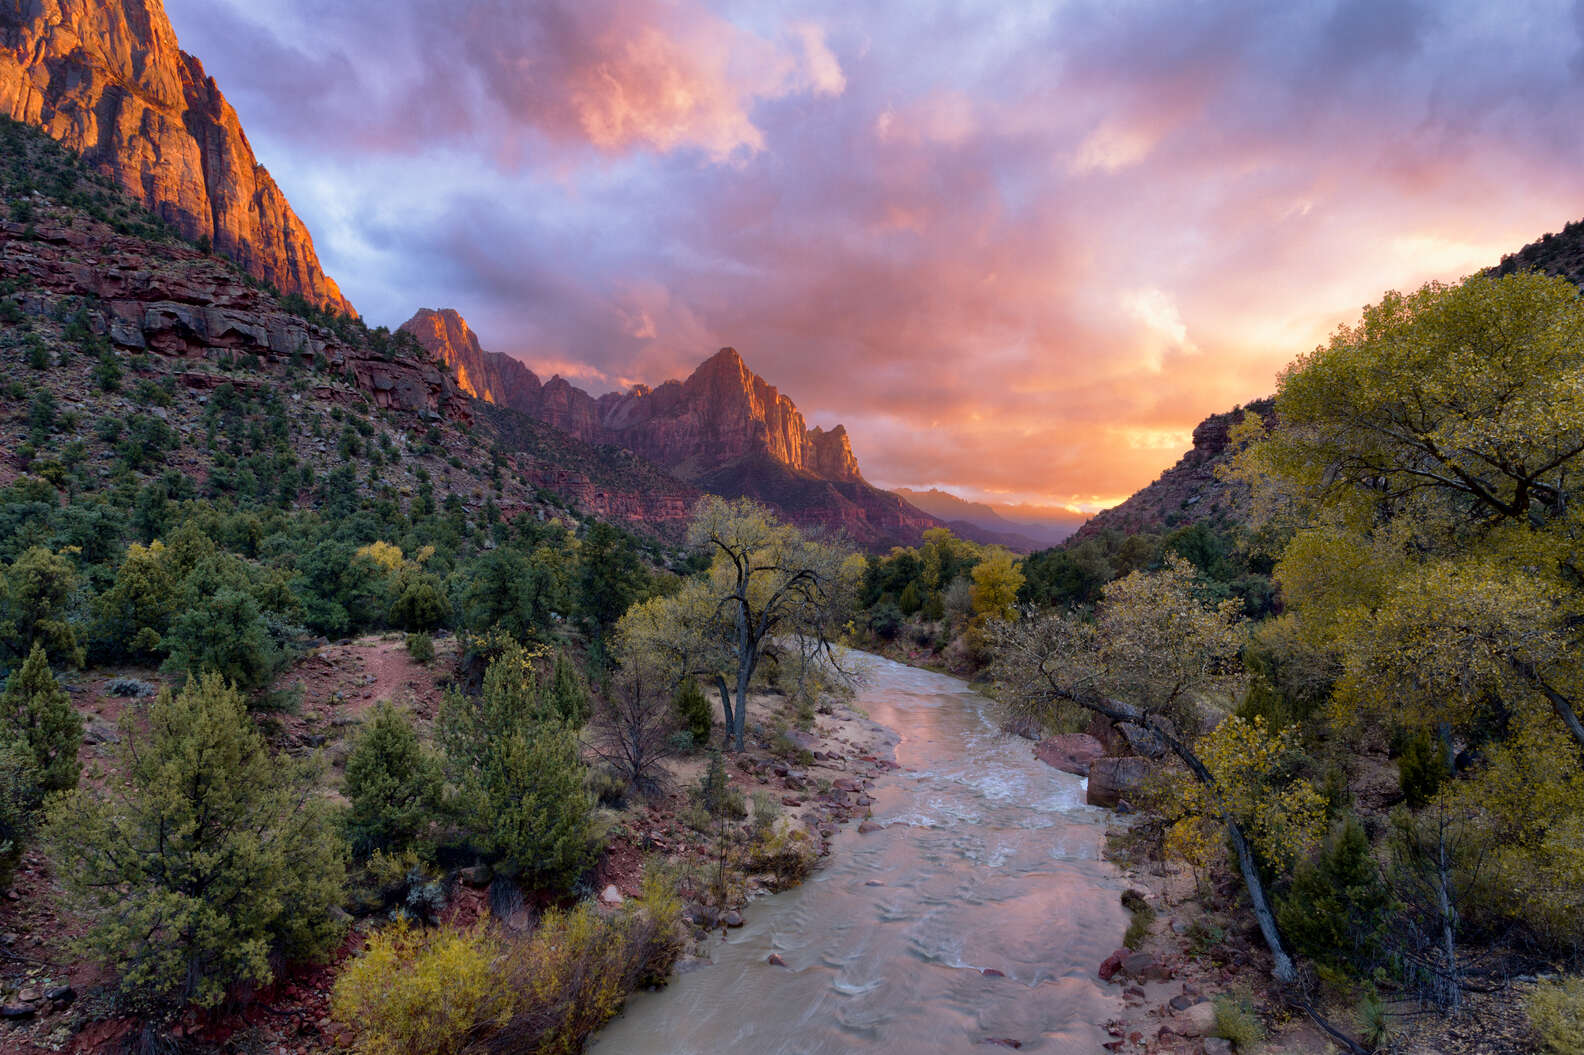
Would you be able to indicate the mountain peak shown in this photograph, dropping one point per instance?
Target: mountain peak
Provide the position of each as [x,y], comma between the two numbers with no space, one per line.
[107,80]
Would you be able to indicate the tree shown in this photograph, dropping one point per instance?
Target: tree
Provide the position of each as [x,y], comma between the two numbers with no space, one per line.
[210,861]
[1152,650]
[633,727]
[223,632]
[568,696]
[33,606]
[37,713]
[520,776]
[538,813]
[610,576]
[20,796]
[1429,461]
[134,614]
[693,711]
[996,581]
[393,785]
[1338,909]
[768,586]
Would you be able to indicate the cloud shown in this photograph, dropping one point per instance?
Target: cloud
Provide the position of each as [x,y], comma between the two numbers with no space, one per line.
[1017,249]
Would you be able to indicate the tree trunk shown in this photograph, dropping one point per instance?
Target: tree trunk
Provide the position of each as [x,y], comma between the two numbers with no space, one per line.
[1284,971]
[726,710]
[1451,989]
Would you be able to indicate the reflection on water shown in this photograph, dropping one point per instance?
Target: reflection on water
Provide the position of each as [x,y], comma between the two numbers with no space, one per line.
[990,861]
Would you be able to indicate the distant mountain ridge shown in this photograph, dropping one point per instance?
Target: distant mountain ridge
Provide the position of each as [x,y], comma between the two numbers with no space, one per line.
[107,80]
[970,518]
[723,429]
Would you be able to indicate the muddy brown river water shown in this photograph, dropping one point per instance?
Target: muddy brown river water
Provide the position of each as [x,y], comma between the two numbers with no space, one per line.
[989,861]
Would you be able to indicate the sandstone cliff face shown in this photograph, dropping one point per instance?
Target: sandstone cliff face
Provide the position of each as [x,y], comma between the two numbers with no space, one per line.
[1189,491]
[722,413]
[724,429]
[107,80]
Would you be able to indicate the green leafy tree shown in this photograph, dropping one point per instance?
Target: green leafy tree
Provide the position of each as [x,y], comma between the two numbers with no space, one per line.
[568,696]
[34,600]
[212,860]
[37,713]
[393,785]
[520,777]
[610,577]
[20,796]
[134,615]
[538,813]
[420,605]
[224,632]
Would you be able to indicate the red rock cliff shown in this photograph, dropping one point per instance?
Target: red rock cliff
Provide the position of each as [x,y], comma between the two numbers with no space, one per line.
[108,81]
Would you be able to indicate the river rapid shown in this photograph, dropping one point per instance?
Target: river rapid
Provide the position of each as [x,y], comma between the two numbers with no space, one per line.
[989,862]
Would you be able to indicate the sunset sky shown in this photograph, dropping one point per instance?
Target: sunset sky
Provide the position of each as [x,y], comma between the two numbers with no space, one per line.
[1018,249]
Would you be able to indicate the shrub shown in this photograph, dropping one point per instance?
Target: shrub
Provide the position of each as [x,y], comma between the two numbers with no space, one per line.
[568,696]
[421,648]
[787,854]
[393,785]
[19,801]
[212,862]
[1235,1021]
[420,605]
[224,632]
[1556,1011]
[1421,767]
[1338,908]
[36,713]
[416,993]
[533,809]
[693,711]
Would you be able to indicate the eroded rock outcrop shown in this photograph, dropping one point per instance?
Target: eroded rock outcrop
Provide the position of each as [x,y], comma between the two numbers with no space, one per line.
[107,80]
[179,303]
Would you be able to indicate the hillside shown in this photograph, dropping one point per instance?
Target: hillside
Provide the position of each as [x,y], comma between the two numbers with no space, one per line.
[1187,493]
[117,332]
[982,522]
[109,81]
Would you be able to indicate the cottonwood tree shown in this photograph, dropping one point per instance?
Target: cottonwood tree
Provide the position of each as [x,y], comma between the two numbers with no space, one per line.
[770,592]
[1150,655]
[1430,460]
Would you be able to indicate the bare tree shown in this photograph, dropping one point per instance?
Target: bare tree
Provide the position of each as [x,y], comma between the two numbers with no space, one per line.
[633,725]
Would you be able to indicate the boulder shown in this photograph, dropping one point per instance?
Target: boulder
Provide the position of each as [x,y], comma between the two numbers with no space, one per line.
[1105,731]
[610,896]
[1217,1046]
[1112,778]
[1069,752]
[1112,964]
[1197,1020]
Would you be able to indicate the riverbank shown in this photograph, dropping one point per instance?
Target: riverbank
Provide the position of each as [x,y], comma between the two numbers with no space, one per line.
[966,914]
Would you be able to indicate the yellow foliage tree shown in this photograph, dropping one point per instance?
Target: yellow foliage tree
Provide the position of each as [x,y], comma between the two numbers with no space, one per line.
[996,581]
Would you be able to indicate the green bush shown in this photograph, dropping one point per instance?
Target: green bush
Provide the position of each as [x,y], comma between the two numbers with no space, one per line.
[1235,1021]
[224,632]
[534,811]
[20,796]
[1556,1011]
[1338,909]
[568,695]
[420,606]
[1421,767]
[421,648]
[693,712]
[212,863]
[37,714]
[393,785]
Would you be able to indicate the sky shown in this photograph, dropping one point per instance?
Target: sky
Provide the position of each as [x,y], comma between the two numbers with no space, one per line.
[1019,250]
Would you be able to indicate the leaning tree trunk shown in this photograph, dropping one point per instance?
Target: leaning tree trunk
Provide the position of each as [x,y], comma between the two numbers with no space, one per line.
[1283,970]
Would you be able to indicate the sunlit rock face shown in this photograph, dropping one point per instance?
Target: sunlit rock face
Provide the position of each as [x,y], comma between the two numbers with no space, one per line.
[723,412]
[724,429]
[108,80]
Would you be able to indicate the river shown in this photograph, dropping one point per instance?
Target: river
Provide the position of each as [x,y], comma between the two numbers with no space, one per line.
[989,861]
